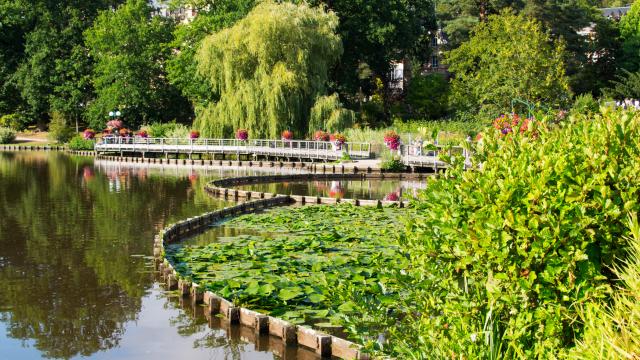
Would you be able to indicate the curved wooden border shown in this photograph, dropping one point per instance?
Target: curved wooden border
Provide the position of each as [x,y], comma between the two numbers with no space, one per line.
[323,344]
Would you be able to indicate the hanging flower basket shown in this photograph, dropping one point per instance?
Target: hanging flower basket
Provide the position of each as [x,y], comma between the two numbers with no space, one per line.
[321,136]
[194,134]
[242,134]
[143,134]
[115,124]
[392,140]
[287,135]
[89,134]
[338,140]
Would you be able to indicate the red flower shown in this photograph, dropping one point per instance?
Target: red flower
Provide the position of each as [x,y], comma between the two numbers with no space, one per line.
[287,135]
[242,134]
[321,136]
[194,134]
[89,134]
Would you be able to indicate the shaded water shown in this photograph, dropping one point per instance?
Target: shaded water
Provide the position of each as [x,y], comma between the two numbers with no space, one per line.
[76,274]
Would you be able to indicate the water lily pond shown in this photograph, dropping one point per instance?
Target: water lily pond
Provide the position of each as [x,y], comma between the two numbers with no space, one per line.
[301,264]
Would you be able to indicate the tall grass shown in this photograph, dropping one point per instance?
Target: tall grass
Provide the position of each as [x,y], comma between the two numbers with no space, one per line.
[445,132]
[612,331]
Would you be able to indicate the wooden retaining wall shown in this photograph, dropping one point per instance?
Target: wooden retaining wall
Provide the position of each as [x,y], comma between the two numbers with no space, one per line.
[16,147]
[323,344]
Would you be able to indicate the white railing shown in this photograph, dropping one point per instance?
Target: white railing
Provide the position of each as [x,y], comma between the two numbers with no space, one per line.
[429,155]
[279,148]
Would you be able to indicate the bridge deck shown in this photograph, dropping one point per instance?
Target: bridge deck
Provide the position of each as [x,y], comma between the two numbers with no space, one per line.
[275,148]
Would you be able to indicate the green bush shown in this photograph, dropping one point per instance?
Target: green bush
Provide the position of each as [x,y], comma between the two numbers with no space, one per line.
[16,122]
[80,143]
[59,130]
[612,331]
[167,130]
[7,135]
[503,257]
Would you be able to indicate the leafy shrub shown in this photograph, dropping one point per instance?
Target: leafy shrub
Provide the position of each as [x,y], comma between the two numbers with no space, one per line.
[613,331]
[80,143]
[179,131]
[502,258]
[7,135]
[17,122]
[59,130]
[585,104]
[163,130]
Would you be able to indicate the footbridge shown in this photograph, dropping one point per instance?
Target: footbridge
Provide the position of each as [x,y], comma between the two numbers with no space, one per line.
[290,149]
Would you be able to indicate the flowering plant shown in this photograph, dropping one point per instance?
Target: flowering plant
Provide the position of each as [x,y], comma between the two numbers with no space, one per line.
[143,134]
[338,138]
[394,196]
[336,191]
[107,131]
[507,124]
[242,134]
[124,132]
[89,134]
[194,134]
[287,135]
[392,140]
[115,124]
[321,136]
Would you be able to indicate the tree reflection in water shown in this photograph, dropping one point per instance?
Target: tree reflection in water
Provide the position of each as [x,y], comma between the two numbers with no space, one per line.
[69,281]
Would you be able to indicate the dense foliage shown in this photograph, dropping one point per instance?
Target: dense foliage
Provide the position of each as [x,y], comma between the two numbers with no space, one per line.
[329,114]
[613,331]
[7,135]
[268,69]
[80,143]
[503,257]
[130,48]
[509,56]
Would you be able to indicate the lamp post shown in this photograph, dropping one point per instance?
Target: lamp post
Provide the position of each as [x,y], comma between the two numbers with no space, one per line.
[114,114]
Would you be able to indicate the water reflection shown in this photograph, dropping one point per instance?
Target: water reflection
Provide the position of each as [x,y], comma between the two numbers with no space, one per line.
[371,189]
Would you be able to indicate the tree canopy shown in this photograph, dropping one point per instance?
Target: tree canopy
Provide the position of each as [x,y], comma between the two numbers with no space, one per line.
[130,49]
[268,69]
[509,56]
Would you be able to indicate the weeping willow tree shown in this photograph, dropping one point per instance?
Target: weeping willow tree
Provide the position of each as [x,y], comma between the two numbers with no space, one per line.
[329,114]
[268,69]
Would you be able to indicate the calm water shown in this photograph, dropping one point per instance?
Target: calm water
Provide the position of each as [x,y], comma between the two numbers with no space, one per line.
[76,274]
[344,189]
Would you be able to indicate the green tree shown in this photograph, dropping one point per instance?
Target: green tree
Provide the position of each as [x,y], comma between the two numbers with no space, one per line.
[329,114]
[630,35]
[375,33]
[458,17]
[508,57]
[268,69]
[130,48]
[54,67]
[212,16]
[625,86]
[428,96]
